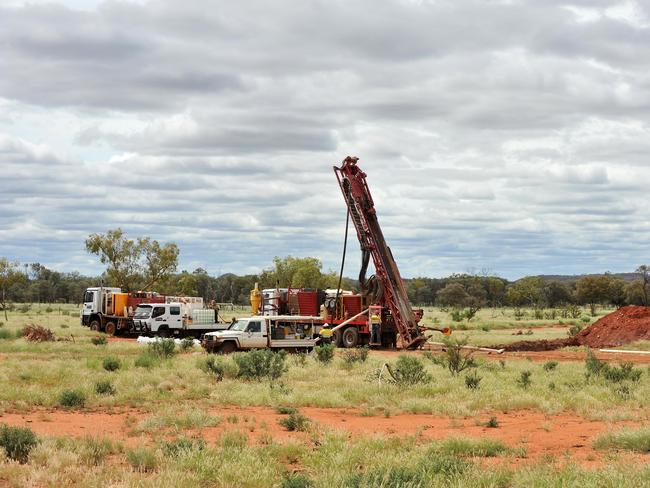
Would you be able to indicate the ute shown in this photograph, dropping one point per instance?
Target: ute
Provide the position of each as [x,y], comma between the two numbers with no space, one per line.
[288,332]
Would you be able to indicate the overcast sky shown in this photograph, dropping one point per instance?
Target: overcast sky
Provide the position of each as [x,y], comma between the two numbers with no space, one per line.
[510,136]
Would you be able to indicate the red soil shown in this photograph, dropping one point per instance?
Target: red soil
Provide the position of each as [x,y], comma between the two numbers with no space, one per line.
[537,433]
[625,325]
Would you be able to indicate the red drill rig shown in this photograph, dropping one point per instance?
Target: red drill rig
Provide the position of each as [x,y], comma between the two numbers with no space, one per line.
[384,293]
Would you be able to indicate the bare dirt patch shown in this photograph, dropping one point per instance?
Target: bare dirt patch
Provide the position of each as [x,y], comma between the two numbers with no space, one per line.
[539,434]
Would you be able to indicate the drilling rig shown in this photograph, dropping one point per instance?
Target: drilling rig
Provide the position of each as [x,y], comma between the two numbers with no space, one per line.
[384,293]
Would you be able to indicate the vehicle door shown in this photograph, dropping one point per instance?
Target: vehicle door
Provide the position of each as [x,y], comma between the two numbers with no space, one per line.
[89,305]
[158,318]
[254,336]
[175,320]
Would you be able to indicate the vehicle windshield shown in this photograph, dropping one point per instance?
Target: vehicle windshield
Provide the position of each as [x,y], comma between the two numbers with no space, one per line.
[142,312]
[239,325]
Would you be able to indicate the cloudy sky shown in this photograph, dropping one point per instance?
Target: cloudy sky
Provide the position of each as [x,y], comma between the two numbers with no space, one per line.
[512,136]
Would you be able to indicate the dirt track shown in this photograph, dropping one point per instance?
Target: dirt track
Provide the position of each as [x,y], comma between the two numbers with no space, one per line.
[537,433]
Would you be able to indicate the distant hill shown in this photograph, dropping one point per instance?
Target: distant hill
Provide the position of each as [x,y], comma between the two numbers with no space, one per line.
[574,278]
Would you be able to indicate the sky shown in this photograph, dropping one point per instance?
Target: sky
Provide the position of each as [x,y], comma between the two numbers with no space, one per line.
[509,137]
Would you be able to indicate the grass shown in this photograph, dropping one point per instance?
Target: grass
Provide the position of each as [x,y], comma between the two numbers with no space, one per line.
[175,393]
[637,440]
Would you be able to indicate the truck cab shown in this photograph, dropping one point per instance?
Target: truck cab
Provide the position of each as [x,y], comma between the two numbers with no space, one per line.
[174,318]
[93,306]
[289,332]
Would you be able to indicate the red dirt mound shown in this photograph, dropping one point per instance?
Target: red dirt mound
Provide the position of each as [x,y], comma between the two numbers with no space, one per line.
[627,324]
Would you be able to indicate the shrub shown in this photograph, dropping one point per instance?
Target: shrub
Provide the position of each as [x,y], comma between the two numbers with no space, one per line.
[457,358]
[17,442]
[24,308]
[93,451]
[111,364]
[104,387]
[409,370]
[325,353]
[295,422]
[285,410]
[524,379]
[462,446]
[37,333]
[574,330]
[72,398]
[146,360]
[187,344]
[142,459]
[163,348]
[457,315]
[493,423]
[550,365]
[49,310]
[585,320]
[593,365]
[213,366]
[64,326]
[181,446]
[99,341]
[2,324]
[296,480]
[261,363]
[624,372]
[300,359]
[5,334]
[351,356]
[473,380]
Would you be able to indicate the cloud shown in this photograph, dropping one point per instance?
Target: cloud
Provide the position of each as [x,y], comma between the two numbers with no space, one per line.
[503,135]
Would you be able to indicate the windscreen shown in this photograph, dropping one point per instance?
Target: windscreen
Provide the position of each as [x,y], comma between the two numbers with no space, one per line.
[142,312]
[239,325]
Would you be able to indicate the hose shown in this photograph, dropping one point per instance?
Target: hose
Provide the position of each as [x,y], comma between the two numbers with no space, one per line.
[345,246]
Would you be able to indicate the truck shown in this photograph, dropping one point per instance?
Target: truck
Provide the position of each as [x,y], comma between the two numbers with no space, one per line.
[109,310]
[175,318]
[288,332]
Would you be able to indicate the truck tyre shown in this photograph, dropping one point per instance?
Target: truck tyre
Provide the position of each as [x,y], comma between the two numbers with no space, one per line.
[95,325]
[337,338]
[163,331]
[110,328]
[350,337]
[227,348]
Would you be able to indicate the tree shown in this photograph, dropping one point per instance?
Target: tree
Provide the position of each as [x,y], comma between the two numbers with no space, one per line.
[139,264]
[452,295]
[298,272]
[634,293]
[10,275]
[593,290]
[527,291]
[471,296]
[644,271]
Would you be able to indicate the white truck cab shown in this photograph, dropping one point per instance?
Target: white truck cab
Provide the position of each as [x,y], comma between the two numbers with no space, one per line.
[94,306]
[175,318]
[292,332]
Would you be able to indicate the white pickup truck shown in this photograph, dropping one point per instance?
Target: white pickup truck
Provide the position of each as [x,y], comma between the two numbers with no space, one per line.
[290,332]
[165,319]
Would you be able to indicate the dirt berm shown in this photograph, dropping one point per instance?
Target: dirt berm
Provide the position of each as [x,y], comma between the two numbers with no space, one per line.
[627,324]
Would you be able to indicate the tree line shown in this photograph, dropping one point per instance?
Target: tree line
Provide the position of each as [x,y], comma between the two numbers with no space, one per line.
[146,264]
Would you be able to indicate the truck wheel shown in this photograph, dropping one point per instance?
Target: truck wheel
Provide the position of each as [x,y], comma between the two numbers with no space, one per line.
[337,338]
[95,325]
[163,331]
[350,337]
[110,328]
[227,348]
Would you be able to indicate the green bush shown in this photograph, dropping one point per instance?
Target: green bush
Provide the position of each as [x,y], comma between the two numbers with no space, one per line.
[550,365]
[625,371]
[5,334]
[585,320]
[93,451]
[493,423]
[296,480]
[325,353]
[295,422]
[409,371]
[457,359]
[104,387]
[24,308]
[17,442]
[574,330]
[187,344]
[99,340]
[142,459]
[72,398]
[261,363]
[214,366]
[524,379]
[473,380]
[282,410]
[593,365]
[163,348]
[351,356]
[146,360]
[637,440]
[49,310]
[111,364]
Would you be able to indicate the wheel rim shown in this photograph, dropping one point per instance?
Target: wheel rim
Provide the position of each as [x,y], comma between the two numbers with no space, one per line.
[110,329]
